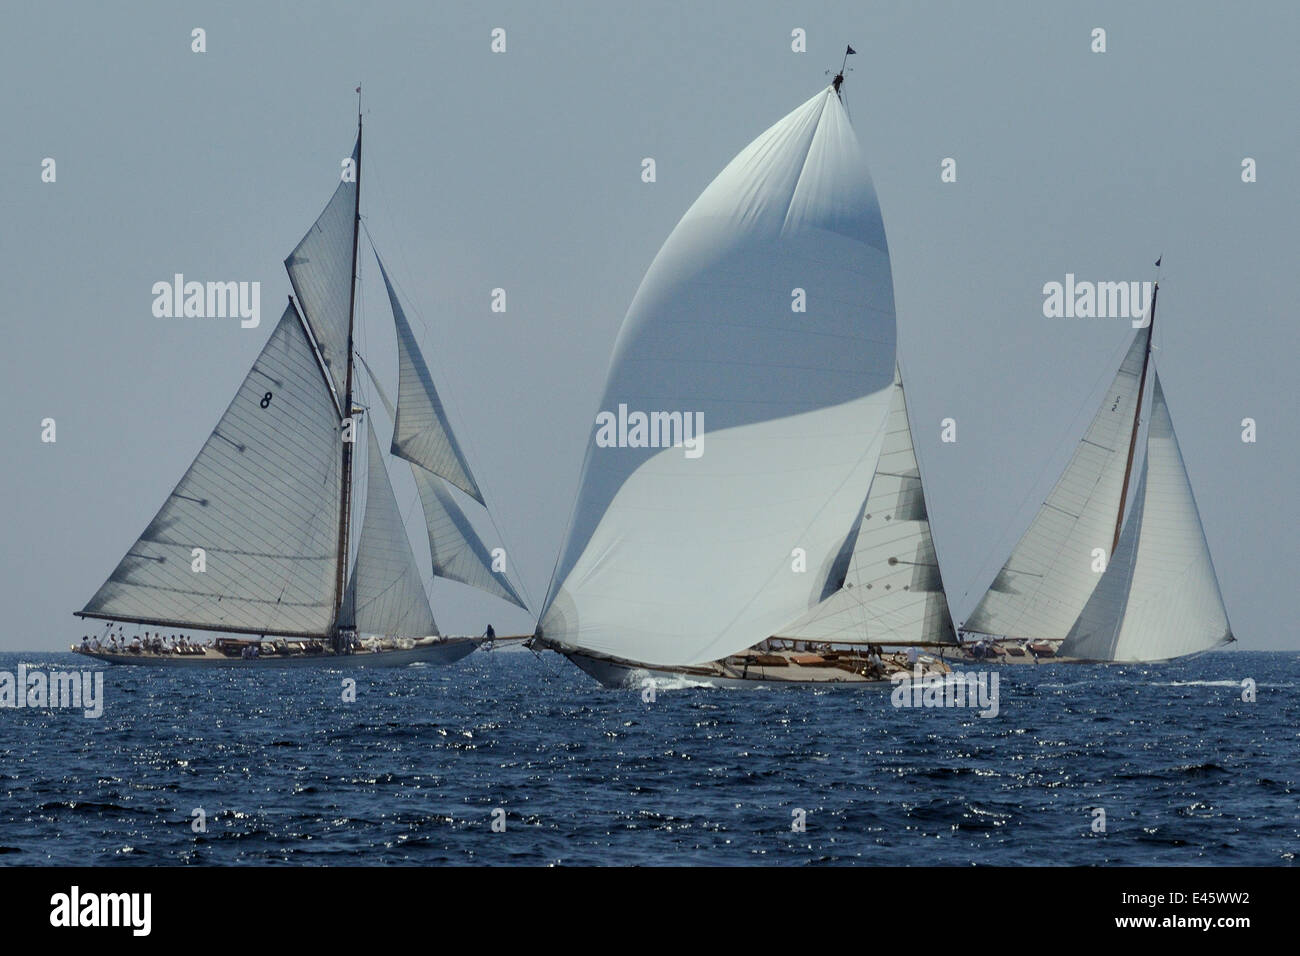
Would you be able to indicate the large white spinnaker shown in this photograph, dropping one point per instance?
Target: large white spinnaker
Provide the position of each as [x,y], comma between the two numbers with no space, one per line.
[681,555]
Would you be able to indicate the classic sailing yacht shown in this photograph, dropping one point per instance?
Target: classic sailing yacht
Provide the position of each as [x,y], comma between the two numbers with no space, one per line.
[255,539]
[794,512]
[1088,583]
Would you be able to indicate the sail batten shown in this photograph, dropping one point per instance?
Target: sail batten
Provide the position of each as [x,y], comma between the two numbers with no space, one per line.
[261,500]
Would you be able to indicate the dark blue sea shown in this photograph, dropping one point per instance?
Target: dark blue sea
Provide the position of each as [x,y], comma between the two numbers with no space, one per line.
[287,772]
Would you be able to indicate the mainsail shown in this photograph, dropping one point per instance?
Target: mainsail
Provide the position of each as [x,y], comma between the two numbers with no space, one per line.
[1159,597]
[261,500]
[1156,596]
[892,591]
[768,316]
[1049,577]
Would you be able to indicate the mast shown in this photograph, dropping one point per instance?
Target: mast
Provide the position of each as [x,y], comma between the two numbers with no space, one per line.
[1137,412]
[345,516]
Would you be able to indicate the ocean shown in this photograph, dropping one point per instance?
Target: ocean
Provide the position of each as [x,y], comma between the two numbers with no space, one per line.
[511,758]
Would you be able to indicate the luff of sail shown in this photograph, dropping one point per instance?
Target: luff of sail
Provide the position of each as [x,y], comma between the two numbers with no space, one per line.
[386,594]
[262,501]
[672,560]
[456,551]
[422,434]
[320,269]
[892,591]
[1159,598]
[1049,577]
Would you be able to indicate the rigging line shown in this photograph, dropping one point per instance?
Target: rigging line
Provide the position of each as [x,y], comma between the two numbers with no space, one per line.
[464,433]
[1111,369]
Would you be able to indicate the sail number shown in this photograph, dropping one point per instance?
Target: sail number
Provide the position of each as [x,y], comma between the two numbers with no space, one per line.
[266,400]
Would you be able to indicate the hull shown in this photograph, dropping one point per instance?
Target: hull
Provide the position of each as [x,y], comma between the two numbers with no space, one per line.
[732,673]
[441,652]
[1008,653]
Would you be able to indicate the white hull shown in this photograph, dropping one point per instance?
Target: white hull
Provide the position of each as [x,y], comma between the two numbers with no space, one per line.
[442,652]
[622,675]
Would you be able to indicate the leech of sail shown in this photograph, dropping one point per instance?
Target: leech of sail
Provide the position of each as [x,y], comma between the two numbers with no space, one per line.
[1137,412]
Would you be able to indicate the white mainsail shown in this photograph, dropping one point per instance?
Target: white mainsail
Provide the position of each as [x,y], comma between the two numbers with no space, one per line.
[320,268]
[262,501]
[421,433]
[1160,597]
[892,591]
[386,595]
[1049,577]
[672,559]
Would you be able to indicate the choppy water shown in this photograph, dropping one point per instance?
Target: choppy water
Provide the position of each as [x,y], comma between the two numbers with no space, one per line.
[286,771]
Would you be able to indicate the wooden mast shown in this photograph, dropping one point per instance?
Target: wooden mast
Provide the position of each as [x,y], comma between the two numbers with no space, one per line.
[1137,411]
[345,511]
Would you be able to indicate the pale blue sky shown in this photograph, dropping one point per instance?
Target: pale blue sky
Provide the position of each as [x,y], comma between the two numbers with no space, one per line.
[522,171]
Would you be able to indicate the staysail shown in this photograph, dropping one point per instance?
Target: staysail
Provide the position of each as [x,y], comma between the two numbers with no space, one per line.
[1049,577]
[1159,597]
[457,551]
[421,433]
[386,593]
[892,591]
[261,500]
[320,268]
[766,322]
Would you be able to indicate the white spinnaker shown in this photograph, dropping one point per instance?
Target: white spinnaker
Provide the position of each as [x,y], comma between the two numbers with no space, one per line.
[320,269]
[422,434]
[262,501]
[892,592]
[389,593]
[455,548]
[672,560]
[1049,577]
[1174,606]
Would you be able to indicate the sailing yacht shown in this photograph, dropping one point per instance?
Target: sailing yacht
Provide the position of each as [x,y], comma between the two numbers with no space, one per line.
[256,539]
[793,534]
[1088,581]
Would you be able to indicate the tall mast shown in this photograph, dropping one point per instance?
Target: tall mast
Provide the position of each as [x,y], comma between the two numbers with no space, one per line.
[1137,411]
[345,511]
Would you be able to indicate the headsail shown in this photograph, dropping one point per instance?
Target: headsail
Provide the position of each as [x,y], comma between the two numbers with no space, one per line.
[321,268]
[262,501]
[457,551]
[387,593]
[672,559]
[421,433]
[892,592]
[1171,602]
[1049,577]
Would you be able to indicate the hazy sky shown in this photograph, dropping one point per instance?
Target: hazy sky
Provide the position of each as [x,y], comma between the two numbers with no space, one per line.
[522,170]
